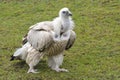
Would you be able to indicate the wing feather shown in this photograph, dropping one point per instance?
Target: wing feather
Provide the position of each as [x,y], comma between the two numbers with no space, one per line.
[71,40]
[56,48]
[40,36]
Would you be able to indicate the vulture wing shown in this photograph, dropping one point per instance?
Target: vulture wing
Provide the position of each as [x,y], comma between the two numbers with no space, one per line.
[71,40]
[40,36]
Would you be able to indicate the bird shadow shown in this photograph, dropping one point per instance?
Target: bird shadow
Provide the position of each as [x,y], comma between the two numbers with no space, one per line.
[22,64]
[19,64]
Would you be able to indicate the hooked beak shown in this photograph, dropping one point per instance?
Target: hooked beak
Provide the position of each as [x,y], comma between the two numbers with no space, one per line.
[70,14]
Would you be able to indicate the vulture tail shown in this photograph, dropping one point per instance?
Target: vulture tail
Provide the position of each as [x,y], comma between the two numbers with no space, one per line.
[12,58]
[21,53]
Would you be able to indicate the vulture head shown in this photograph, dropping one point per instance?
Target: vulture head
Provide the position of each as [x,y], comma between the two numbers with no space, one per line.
[65,13]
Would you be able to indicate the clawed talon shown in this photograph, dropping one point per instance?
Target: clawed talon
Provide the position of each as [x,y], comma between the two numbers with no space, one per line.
[32,71]
[61,70]
[35,70]
[64,70]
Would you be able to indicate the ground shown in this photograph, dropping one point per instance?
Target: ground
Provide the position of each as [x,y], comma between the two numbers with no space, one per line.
[95,54]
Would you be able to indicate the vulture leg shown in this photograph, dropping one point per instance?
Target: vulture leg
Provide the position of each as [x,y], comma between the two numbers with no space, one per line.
[55,61]
[33,59]
[31,69]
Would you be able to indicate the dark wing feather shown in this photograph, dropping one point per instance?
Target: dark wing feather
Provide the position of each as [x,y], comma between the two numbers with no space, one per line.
[71,40]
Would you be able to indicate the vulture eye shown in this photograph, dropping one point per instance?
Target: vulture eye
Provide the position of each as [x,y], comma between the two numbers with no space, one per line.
[64,12]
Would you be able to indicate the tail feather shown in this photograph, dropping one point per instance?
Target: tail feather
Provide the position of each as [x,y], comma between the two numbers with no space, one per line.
[21,53]
[12,58]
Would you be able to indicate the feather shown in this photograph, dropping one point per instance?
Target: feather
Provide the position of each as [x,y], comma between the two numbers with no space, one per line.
[22,52]
[56,48]
[71,40]
[40,38]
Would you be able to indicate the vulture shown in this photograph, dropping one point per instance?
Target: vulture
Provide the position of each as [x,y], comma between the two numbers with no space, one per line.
[48,38]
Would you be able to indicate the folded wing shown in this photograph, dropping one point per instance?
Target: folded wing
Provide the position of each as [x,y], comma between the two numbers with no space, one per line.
[40,36]
[71,40]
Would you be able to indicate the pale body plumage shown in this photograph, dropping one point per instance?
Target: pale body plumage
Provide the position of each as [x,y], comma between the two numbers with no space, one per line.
[50,38]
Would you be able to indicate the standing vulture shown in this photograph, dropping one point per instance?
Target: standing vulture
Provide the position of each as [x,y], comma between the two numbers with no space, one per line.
[48,38]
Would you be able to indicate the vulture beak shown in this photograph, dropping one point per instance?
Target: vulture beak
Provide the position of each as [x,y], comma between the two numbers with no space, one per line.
[70,14]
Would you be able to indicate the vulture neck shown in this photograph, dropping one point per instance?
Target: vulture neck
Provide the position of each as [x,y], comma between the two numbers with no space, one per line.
[65,18]
[65,24]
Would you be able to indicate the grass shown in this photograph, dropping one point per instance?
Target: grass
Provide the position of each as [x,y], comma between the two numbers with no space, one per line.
[95,54]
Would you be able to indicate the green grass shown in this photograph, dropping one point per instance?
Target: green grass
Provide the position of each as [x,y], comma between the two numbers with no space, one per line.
[95,54]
